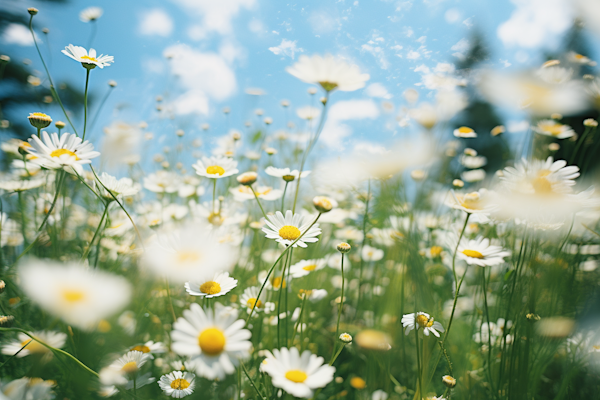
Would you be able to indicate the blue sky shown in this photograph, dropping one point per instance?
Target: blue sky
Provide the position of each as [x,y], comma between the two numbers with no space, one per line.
[223,48]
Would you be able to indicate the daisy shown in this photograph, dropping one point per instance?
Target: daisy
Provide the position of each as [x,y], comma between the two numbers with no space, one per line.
[66,152]
[472,162]
[480,252]
[216,167]
[465,132]
[187,252]
[82,297]
[472,203]
[243,193]
[124,367]
[308,112]
[89,61]
[123,187]
[162,182]
[286,230]
[220,284]
[150,347]
[297,374]
[286,174]
[422,320]
[305,267]
[39,120]
[274,282]
[329,72]
[90,14]
[577,58]
[53,339]
[550,127]
[474,175]
[249,299]
[21,185]
[213,338]
[371,253]
[540,177]
[177,384]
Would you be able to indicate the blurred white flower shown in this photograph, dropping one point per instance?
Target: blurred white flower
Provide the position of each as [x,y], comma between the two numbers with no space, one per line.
[329,72]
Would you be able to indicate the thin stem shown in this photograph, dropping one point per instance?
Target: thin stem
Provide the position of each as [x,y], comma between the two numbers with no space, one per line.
[258,201]
[171,301]
[85,107]
[419,376]
[364,232]
[487,315]
[337,329]
[52,89]
[214,195]
[53,349]
[104,214]
[299,319]
[275,264]
[251,381]
[93,33]
[283,197]
[22,207]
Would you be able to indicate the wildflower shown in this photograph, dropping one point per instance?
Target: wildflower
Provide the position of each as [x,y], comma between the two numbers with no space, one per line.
[343,247]
[21,185]
[555,129]
[498,130]
[150,347]
[214,339]
[358,383]
[220,284]
[81,297]
[288,229]
[465,132]
[475,175]
[216,167]
[473,162]
[345,337]
[324,204]
[458,183]
[329,72]
[177,384]
[308,113]
[39,120]
[285,173]
[90,14]
[590,122]
[249,300]
[123,187]
[480,252]
[448,381]
[421,320]
[28,388]
[32,10]
[31,346]
[67,152]
[297,374]
[305,267]
[267,193]
[89,61]
[247,178]
[371,339]
[371,253]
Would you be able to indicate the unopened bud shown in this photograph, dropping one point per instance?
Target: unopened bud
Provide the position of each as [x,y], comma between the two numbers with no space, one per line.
[346,337]
[324,204]
[32,10]
[343,247]
[449,381]
[247,178]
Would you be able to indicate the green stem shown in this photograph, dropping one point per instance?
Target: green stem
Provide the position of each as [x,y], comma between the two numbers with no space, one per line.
[337,329]
[85,107]
[487,315]
[22,207]
[283,196]
[53,349]
[364,241]
[87,251]
[304,297]
[258,201]
[251,381]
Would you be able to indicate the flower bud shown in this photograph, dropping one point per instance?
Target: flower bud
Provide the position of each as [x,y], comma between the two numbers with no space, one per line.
[346,337]
[60,124]
[247,178]
[498,130]
[32,10]
[590,122]
[458,183]
[449,381]
[180,132]
[324,204]
[112,83]
[39,120]
[343,247]
[6,320]
[2,286]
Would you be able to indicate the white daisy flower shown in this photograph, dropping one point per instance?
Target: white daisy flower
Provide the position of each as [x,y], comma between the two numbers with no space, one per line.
[577,58]
[422,320]
[267,193]
[82,297]
[220,284]
[118,372]
[274,282]
[308,112]
[305,267]
[480,252]
[329,72]
[183,365]
[150,347]
[472,203]
[123,187]
[21,185]
[162,182]
[90,14]
[465,132]
[540,177]
[214,339]
[286,174]
[90,60]
[67,152]
[371,253]
[472,162]
[474,175]
[53,339]
[249,299]
[297,374]
[187,252]
[286,230]
[177,384]
[550,127]
[216,167]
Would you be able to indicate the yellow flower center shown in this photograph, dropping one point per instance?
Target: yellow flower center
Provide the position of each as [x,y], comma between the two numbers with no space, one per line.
[210,287]
[180,384]
[187,256]
[130,367]
[276,282]
[211,341]
[62,152]
[436,251]
[73,296]
[289,232]
[89,58]
[541,184]
[310,267]
[215,169]
[424,321]
[252,301]
[296,376]
[470,201]
[465,129]
[473,254]
[554,130]
[34,347]
[39,114]
[358,383]
[142,348]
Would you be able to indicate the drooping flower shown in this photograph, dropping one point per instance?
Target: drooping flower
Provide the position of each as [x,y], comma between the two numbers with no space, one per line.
[30,346]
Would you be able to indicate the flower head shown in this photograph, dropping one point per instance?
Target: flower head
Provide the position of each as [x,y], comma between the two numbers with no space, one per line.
[89,61]
[286,230]
[480,252]
[421,320]
[177,384]
[67,151]
[216,167]
[329,72]
[90,14]
[39,120]
[218,285]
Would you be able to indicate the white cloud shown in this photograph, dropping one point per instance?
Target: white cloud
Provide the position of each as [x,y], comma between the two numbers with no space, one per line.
[461,48]
[413,55]
[286,48]
[536,23]
[452,15]
[191,67]
[323,22]
[377,90]
[217,16]
[155,22]
[17,34]
[378,53]
[335,130]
